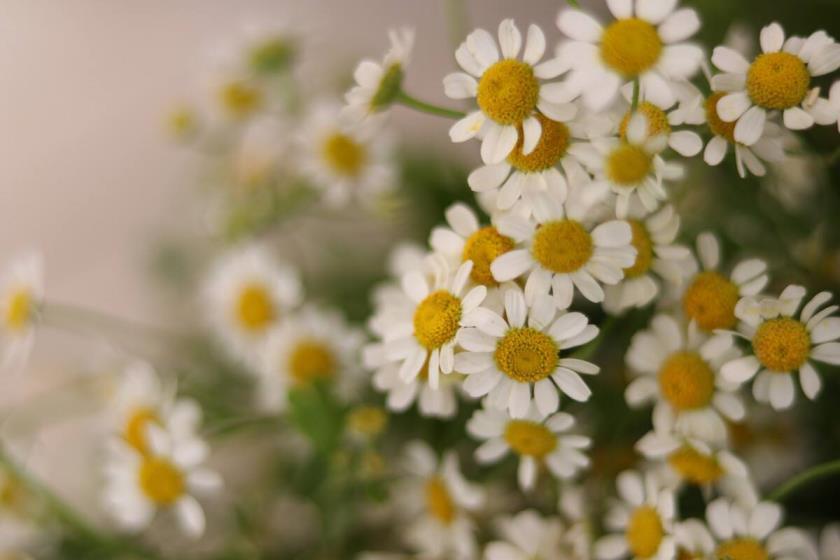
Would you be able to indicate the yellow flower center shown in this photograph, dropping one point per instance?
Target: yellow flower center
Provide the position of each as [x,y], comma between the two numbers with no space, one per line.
[551,147]
[686,381]
[562,246]
[367,421]
[628,164]
[161,481]
[134,432]
[710,300]
[19,310]
[526,355]
[482,248]
[529,438]
[656,118]
[718,126]
[344,155]
[182,122]
[630,46]
[438,501]
[12,494]
[644,250]
[741,549]
[778,80]
[695,467]
[508,91]
[240,99]
[436,319]
[254,308]
[782,345]
[310,360]
[644,532]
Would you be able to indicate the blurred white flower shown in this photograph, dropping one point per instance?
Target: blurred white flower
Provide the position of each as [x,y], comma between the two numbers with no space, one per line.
[21,295]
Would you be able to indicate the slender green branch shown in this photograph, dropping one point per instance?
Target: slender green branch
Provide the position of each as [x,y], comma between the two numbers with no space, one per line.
[409,101]
[636,91]
[803,479]
[235,424]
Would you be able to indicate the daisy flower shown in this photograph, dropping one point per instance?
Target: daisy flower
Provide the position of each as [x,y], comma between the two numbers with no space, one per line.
[21,295]
[440,501]
[679,369]
[248,293]
[236,96]
[164,479]
[709,297]
[748,531]
[344,161]
[646,42]
[508,91]
[642,522]
[658,259]
[782,344]
[311,345]
[662,120]
[527,536]
[779,79]
[378,85]
[508,358]
[537,439]
[694,541]
[559,250]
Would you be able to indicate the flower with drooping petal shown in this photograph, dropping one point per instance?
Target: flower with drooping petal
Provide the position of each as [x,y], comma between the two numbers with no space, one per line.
[510,93]
[21,295]
[506,358]
[782,344]
[528,536]
[694,540]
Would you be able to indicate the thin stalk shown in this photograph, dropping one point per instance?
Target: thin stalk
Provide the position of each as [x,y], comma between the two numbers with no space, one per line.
[803,479]
[63,314]
[636,89]
[235,424]
[409,101]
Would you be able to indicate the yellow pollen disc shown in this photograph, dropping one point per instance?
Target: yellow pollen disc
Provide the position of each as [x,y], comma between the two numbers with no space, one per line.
[718,126]
[628,164]
[686,381]
[695,467]
[782,345]
[254,309]
[134,432]
[741,549]
[12,494]
[240,99]
[482,248]
[310,360]
[344,155]
[630,46]
[368,421]
[526,355]
[529,438]
[644,532]
[644,250]
[161,481]
[710,300]
[562,246]
[683,554]
[551,147]
[438,501]
[19,310]
[436,319]
[508,92]
[656,118]
[182,122]
[778,80]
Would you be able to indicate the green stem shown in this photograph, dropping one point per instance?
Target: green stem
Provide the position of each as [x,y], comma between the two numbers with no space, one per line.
[235,424]
[63,314]
[636,89]
[423,107]
[803,479]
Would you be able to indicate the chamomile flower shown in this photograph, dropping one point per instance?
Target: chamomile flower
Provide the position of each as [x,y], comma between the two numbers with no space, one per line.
[248,293]
[782,344]
[21,295]
[662,120]
[528,536]
[694,541]
[344,161]
[236,96]
[537,439]
[678,368]
[750,531]
[165,479]
[558,250]
[508,91]
[440,501]
[312,345]
[631,168]
[508,358]
[377,85]
[709,297]
[658,260]
[642,522]
[645,42]
[779,79]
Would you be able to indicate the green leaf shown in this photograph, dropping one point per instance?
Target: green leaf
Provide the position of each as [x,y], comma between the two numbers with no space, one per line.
[317,415]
